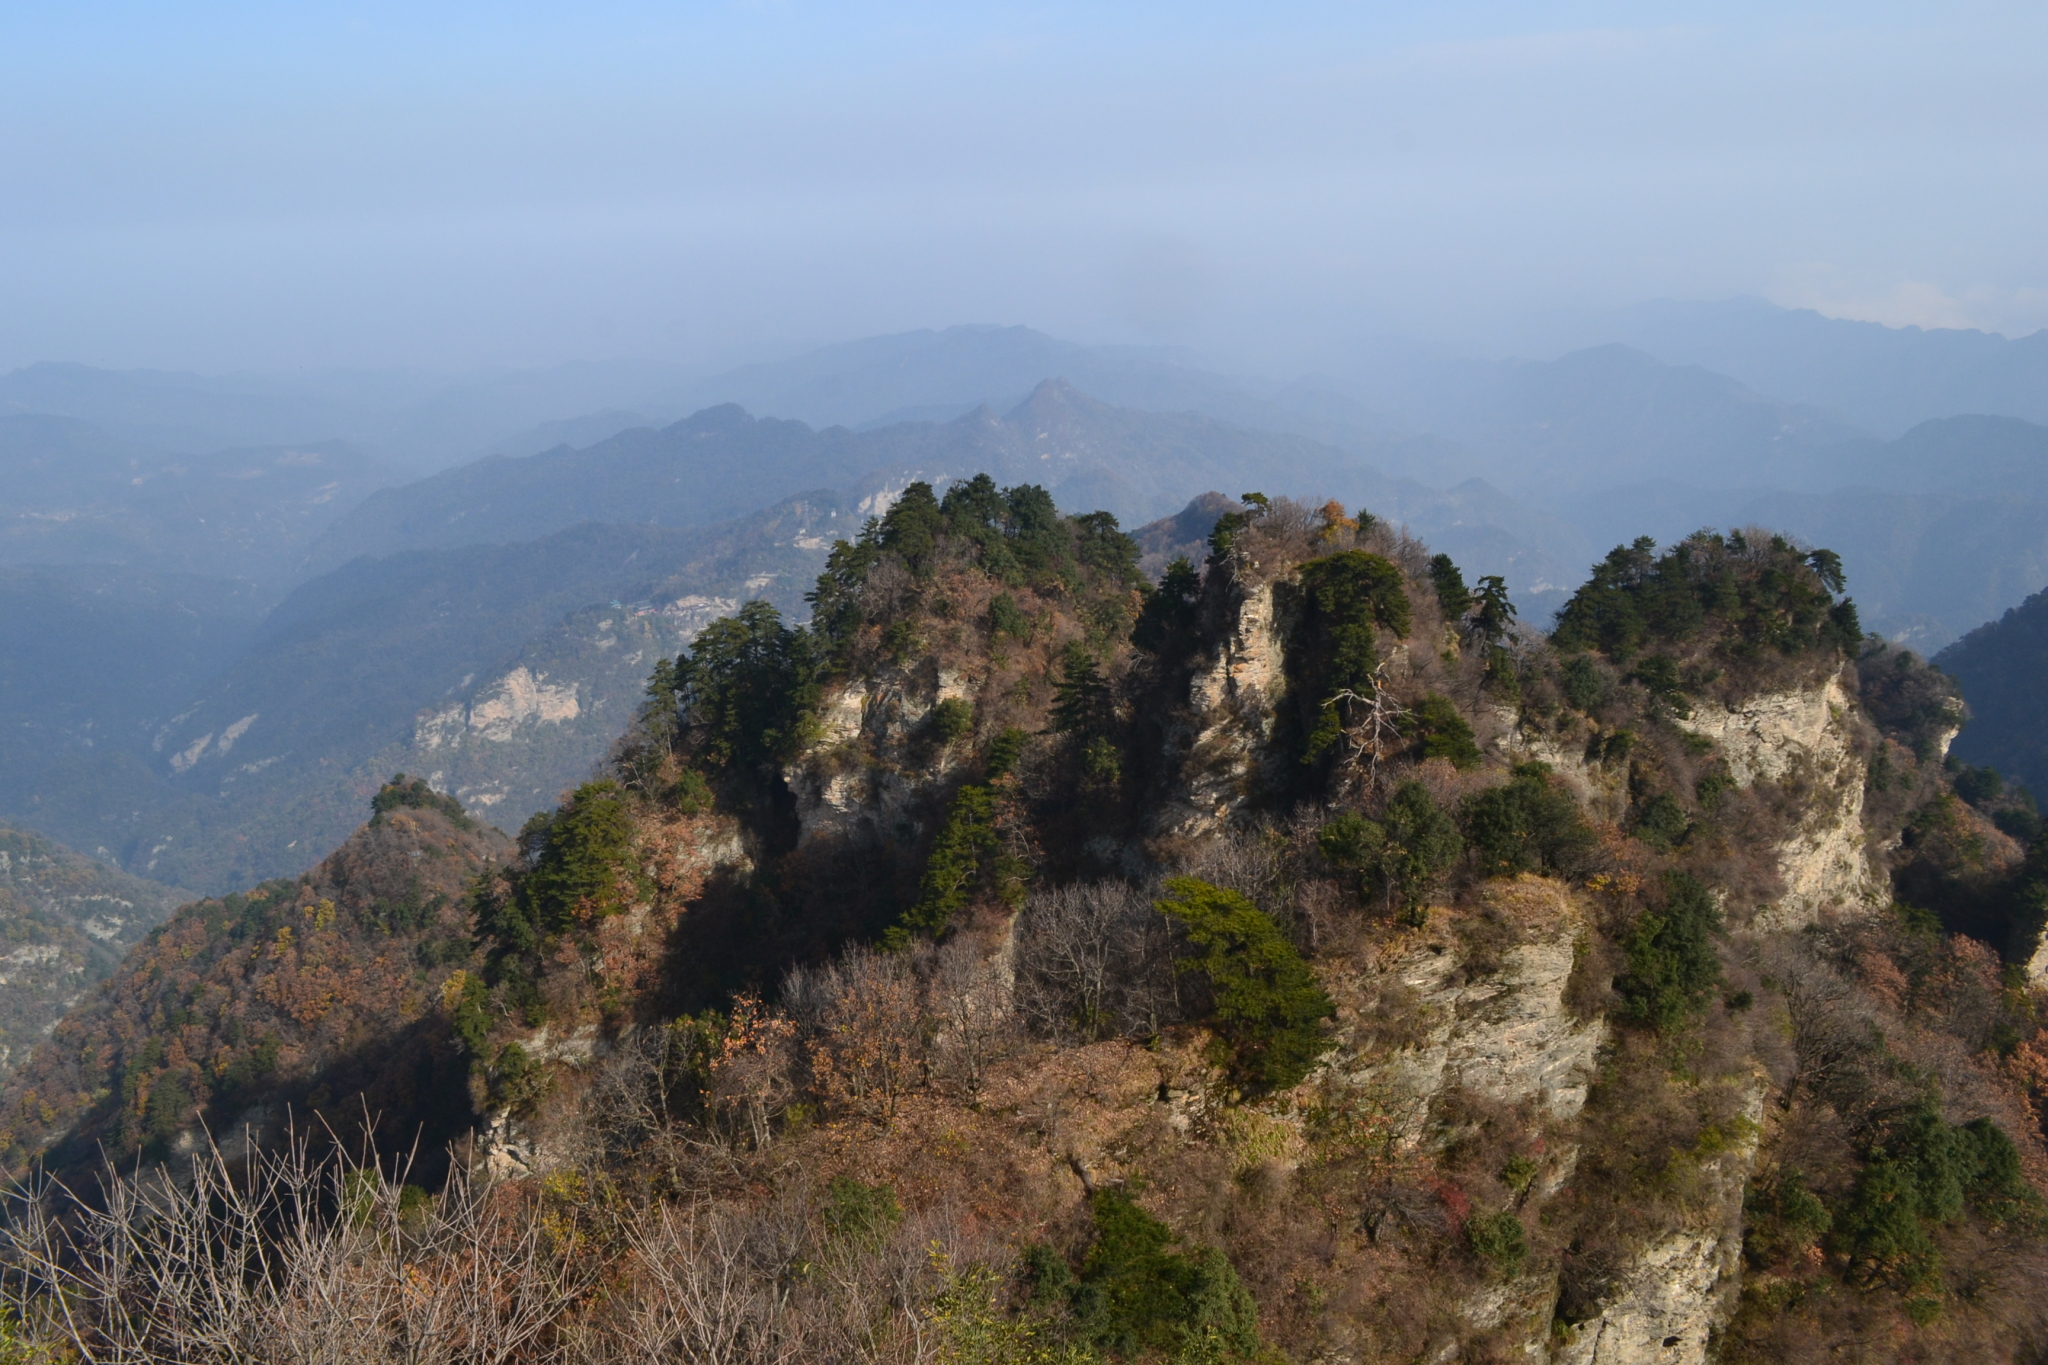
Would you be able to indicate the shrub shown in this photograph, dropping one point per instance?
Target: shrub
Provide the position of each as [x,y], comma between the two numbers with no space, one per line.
[1529,825]
[1451,593]
[1343,600]
[1660,822]
[1659,676]
[1135,1294]
[1583,686]
[860,1212]
[951,719]
[1757,595]
[1402,854]
[1082,702]
[1490,622]
[404,793]
[576,864]
[1498,1239]
[1672,966]
[1440,732]
[1005,617]
[972,1329]
[1166,624]
[1924,1172]
[965,860]
[744,693]
[1265,1004]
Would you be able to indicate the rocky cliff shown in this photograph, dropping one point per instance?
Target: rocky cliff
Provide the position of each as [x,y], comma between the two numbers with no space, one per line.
[1806,740]
[1291,960]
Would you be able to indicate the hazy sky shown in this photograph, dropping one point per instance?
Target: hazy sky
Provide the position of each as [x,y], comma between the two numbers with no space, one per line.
[213,186]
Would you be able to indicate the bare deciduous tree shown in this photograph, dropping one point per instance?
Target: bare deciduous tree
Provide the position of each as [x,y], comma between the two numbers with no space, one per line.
[294,1261]
[1095,961]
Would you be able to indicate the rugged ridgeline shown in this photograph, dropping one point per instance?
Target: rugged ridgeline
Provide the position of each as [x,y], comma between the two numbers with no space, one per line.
[65,921]
[1292,959]
[317,997]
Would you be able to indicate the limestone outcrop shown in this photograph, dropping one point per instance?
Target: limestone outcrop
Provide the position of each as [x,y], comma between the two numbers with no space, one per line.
[1220,749]
[1803,738]
[873,760]
[1679,1289]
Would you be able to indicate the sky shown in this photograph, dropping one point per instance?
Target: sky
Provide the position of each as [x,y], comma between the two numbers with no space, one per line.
[220,187]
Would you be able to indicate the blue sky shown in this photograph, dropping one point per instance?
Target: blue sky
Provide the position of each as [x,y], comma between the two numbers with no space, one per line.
[216,186]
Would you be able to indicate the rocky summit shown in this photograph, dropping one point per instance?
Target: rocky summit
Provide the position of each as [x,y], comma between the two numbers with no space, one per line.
[1282,953]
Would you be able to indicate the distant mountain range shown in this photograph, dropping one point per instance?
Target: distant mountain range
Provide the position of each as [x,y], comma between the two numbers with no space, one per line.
[723,462]
[215,656]
[493,626]
[1886,379]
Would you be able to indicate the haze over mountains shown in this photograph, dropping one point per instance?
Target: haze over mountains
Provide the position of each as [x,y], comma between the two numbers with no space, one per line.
[236,605]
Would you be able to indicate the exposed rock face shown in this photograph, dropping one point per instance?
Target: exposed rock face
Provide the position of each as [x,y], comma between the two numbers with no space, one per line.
[1476,1003]
[1681,1287]
[1221,750]
[2037,965]
[1498,1028]
[1804,737]
[872,763]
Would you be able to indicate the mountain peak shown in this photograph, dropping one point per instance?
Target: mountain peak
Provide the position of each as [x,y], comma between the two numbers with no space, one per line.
[1052,399]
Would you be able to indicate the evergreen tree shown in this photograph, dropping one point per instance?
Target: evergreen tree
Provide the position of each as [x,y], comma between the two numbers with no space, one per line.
[1672,966]
[1266,1007]
[1451,593]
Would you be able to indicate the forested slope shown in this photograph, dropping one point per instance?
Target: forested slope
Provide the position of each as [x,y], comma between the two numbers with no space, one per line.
[1291,959]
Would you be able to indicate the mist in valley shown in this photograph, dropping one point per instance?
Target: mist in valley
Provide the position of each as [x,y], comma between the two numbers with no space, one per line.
[393,387]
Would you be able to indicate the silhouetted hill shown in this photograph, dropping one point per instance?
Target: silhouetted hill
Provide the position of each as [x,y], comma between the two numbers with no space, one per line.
[939,375]
[418,421]
[1612,415]
[98,659]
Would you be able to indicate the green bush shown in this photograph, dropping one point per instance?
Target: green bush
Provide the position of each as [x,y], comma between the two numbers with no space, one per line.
[1490,623]
[1265,1004]
[1785,1216]
[1399,856]
[1498,1239]
[1529,825]
[576,864]
[1922,1173]
[1451,593]
[966,860]
[1341,602]
[744,694]
[1135,1294]
[1082,701]
[860,1212]
[1659,676]
[951,719]
[1582,684]
[404,793]
[1660,822]
[1005,617]
[1672,966]
[1166,624]
[1440,732]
